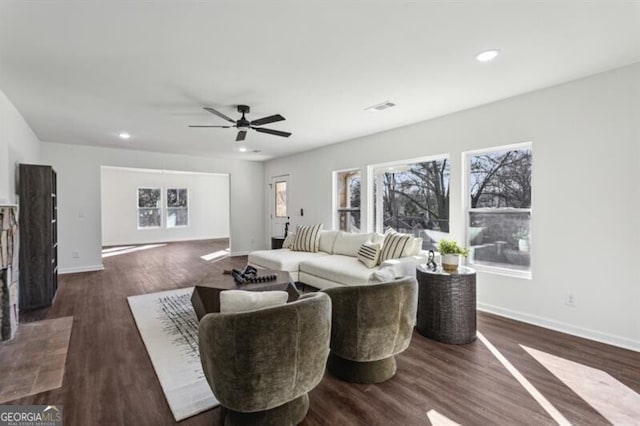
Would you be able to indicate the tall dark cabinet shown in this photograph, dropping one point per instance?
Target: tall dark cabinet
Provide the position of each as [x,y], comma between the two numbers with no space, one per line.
[38,236]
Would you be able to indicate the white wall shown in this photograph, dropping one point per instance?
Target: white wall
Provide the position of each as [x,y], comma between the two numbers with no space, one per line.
[586,202]
[79,212]
[18,144]
[208,203]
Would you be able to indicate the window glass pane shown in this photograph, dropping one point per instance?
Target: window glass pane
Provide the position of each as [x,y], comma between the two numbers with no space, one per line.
[177,217]
[501,179]
[500,238]
[149,197]
[281,199]
[415,199]
[149,218]
[177,197]
[348,200]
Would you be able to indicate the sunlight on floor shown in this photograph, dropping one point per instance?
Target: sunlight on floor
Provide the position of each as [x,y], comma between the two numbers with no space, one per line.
[535,393]
[612,399]
[215,256]
[115,251]
[438,419]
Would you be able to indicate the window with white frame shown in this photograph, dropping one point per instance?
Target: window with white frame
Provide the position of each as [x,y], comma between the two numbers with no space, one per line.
[177,207]
[413,197]
[149,208]
[499,208]
[347,192]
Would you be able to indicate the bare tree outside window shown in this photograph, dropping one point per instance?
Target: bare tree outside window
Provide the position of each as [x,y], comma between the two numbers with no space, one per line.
[348,193]
[177,207]
[281,199]
[415,199]
[149,208]
[500,208]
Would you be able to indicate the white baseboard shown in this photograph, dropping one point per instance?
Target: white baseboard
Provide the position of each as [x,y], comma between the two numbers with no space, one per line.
[240,253]
[586,333]
[77,269]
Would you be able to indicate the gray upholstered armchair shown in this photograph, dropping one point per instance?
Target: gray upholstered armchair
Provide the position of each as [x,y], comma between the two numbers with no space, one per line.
[371,324]
[260,364]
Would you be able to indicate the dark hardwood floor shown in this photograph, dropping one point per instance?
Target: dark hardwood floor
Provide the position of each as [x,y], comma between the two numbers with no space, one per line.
[109,379]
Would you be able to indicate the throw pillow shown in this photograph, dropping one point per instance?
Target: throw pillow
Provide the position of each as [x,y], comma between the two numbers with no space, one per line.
[242,300]
[394,246]
[383,275]
[307,238]
[348,243]
[288,241]
[368,254]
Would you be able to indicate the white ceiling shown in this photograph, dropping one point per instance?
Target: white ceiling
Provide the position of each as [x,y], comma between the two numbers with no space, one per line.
[81,72]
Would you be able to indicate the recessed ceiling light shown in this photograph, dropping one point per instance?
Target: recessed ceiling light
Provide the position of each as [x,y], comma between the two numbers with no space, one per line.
[124,135]
[243,149]
[487,55]
[380,107]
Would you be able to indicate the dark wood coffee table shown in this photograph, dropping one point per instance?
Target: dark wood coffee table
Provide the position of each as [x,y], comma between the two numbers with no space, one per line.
[206,295]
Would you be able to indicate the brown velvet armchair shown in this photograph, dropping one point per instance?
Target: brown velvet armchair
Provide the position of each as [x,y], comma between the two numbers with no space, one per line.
[371,324]
[261,364]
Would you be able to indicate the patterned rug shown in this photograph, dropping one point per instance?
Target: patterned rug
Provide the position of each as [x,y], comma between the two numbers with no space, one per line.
[169,329]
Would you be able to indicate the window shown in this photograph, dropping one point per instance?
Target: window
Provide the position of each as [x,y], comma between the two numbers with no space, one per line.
[413,197]
[281,199]
[177,208]
[499,208]
[347,192]
[149,208]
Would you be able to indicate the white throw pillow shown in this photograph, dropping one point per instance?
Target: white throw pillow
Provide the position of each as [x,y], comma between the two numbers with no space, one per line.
[242,300]
[368,254]
[327,240]
[383,275]
[307,238]
[348,243]
[416,248]
[288,241]
[395,246]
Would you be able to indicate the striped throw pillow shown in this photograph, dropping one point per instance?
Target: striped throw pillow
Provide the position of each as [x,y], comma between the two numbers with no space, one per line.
[368,254]
[307,238]
[394,246]
[288,242]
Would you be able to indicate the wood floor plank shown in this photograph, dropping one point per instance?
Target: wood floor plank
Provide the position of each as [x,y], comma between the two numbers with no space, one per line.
[109,379]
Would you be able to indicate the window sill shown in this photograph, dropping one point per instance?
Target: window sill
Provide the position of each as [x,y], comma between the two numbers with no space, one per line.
[501,271]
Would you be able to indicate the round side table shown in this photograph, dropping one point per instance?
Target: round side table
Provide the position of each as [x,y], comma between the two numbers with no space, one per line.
[447,305]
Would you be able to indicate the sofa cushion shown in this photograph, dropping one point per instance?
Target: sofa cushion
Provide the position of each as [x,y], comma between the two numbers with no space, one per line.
[288,241]
[307,238]
[327,240]
[348,243]
[342,269]
[282,259]
[242,300]
[395,246]
[368,254]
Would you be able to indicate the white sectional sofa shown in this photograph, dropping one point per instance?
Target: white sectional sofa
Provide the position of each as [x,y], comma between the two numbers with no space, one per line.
[335,263]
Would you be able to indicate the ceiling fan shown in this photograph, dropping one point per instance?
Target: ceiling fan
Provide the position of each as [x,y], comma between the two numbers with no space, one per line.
[243,125]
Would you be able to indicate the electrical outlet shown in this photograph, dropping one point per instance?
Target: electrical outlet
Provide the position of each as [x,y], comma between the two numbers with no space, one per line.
[570,300]
[75,255]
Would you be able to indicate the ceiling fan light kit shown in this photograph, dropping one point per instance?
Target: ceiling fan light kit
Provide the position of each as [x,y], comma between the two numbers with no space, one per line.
[243,125]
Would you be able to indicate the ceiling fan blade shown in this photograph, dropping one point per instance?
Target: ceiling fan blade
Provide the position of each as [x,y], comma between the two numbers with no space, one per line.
[272,132]
[267,120]
[241,135]
[219,114]
[223,127]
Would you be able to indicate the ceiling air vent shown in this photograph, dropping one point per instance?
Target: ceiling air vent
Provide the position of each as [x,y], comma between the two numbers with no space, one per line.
[380,107]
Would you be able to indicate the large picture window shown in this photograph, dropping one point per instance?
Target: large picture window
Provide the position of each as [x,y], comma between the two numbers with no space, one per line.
[177,207]
[347,192]
[499,208]
[149,208]
[413,197]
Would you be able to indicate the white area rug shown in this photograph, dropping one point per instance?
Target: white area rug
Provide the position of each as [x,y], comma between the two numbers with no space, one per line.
[169,329]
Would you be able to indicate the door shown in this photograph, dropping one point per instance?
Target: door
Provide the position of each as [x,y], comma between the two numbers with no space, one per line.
[279,205]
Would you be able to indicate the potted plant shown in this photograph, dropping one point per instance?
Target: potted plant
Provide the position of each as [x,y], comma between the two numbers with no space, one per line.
[522,236]
[451,252]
